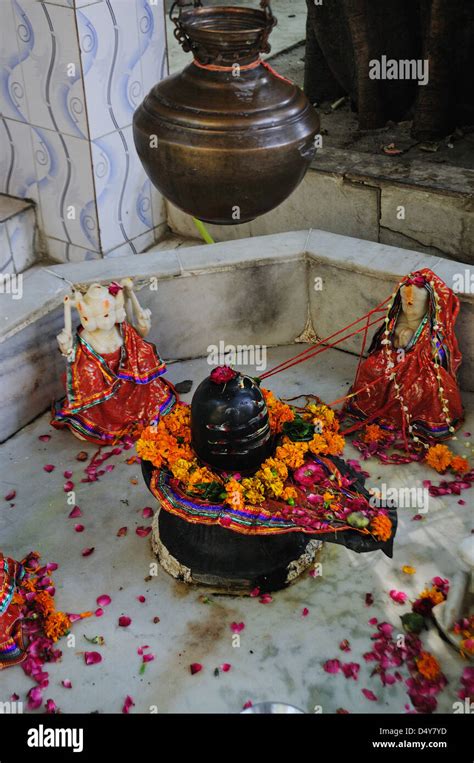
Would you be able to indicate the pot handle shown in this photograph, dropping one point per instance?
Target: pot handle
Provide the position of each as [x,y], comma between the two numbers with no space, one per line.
[185,41]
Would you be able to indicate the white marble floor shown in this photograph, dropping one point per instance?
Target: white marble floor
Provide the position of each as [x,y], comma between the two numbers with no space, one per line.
[281,654]
[290,29]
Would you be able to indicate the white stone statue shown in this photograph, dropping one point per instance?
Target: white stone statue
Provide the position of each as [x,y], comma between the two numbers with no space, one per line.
[101,311]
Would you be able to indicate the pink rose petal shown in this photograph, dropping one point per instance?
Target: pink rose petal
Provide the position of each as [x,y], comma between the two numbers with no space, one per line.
[68,486]
[195,668]
[51,706]
[92,658]
[67,683]
[128,704]
[351,670]
[305,612]
[266,598]
[141,599]
[147,512]
[417,517]
[369,599]
[398,596]
[122,531]
[49,468]
[124,621]
[79,528]
[99,612]
[373,621]
[255,592]
[87,551]
[10,496]
[225,667]
[247,704]
[332,666]
[148,657]
[35,698]
[369,695]
[44,437]
[75,512]
[103,600]
[143,531]
[237,627]
[67,474]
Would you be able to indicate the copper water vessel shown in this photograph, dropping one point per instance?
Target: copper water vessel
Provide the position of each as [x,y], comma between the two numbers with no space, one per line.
[227,139]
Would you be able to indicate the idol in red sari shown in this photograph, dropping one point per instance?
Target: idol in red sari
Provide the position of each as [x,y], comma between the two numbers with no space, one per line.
[113,374]
[12,647]
[408,381]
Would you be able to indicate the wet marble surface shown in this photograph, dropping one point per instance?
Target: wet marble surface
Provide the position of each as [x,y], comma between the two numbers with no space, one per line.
[281,653]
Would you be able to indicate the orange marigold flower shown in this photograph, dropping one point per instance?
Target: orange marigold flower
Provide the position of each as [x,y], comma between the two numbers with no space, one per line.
[335,443]
[56,625]
[289,493]
[45,603]
[235,499]
[428,666]
[373,433]
[328,497]
[439,457]
[459,464]
[292,453]
[432,593]
[381,527]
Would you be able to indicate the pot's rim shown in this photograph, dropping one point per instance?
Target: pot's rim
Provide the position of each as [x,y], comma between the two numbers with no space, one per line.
[192,20]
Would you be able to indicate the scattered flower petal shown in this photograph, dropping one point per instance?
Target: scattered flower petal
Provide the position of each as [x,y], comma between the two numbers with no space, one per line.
[44,437]
[147,512]
[195,668]
[237,627]
[266,598]
[332,666]
[128,704]
[10,496]
[143,531]
[88,551]
[141,599]
[67,683]
[369,695]
[408,569]
[255,592]
[398,596]
[103,600]
[369,599]
[92,658]
[305,612]
[75,512]
[49,468]
[68,486]
[79,528]
[122,531]
[124,621]
[225,667]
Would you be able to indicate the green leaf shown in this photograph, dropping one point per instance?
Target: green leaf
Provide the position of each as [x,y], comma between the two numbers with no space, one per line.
[299,430]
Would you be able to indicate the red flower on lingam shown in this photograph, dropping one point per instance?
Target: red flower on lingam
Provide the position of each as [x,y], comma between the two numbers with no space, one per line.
[222,374]
[114,288]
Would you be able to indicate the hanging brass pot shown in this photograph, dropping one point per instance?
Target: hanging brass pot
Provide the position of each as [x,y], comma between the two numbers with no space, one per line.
[227,139]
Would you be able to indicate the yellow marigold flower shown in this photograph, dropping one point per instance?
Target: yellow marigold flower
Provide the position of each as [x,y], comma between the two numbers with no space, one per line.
[335,443]
[328,497]
[381,527]
[439,457]
[318,444]
[428,666]
[56,625]
[459,464]
[325,414]
[275,488]
[408,569]
[181,468]
[254,490]
[272,467]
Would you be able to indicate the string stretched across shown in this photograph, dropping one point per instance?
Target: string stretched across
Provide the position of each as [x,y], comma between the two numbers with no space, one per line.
[310,352]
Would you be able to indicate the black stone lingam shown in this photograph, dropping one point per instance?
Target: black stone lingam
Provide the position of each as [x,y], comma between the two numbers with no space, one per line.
[231,432]
[229,422]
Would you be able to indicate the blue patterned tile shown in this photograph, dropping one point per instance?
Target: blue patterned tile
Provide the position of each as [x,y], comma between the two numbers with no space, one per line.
[13,44]
[123,190]
[17,166]
[51,68]
[66,189]
[110,51]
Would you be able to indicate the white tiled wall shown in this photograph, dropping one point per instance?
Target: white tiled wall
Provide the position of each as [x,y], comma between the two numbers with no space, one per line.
[71,76]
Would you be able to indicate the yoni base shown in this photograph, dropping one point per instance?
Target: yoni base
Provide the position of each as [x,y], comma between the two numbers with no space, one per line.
[222,559]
